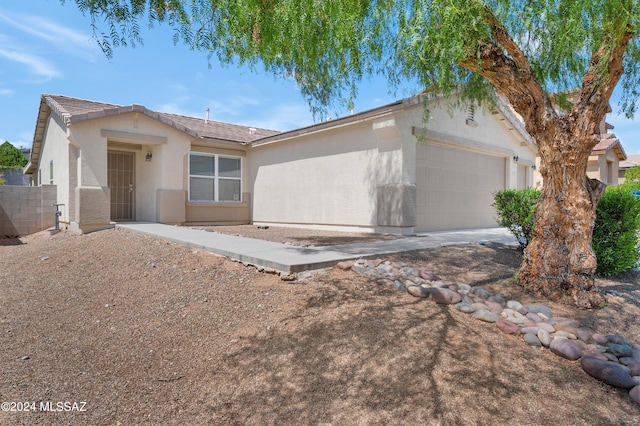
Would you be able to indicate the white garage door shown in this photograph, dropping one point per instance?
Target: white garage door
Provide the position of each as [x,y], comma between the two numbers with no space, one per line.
[454,188]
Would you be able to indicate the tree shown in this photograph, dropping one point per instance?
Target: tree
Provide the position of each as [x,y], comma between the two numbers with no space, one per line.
[11,157]
[522,49]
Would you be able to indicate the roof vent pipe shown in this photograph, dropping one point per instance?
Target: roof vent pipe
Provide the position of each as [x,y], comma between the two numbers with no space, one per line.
[206,116]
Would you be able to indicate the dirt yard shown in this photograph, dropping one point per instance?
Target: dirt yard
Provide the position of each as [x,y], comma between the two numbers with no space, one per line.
[139,331]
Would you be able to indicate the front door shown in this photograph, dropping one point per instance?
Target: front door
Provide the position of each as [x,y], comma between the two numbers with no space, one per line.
[121,180]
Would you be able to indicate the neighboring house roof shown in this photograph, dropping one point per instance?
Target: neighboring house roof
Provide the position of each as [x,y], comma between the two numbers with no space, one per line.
[609,142]
[74,110]
[631,161]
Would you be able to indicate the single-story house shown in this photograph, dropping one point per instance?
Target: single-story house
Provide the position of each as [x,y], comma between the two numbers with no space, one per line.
[631,161]
[382,170]
[605,159]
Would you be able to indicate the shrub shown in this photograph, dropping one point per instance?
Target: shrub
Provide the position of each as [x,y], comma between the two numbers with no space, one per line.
[516,212]
[615,235]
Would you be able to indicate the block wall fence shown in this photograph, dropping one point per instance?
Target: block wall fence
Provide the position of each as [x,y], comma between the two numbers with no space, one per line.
[26,209]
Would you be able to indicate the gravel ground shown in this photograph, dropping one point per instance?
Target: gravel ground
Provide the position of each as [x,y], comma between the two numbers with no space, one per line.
[148,332]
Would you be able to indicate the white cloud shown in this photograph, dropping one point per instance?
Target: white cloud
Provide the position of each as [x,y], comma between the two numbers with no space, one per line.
[6,92]
[35,64]
[66,39]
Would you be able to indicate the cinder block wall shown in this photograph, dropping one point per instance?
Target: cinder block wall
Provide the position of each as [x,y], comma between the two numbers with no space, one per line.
[26,209]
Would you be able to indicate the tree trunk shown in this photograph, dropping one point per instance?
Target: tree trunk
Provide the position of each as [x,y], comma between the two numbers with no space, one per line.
[559,262]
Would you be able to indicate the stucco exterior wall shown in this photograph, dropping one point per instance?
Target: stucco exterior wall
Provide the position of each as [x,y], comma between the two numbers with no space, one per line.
[329,178]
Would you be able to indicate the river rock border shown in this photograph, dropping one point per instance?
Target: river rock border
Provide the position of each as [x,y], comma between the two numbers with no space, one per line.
[612,359]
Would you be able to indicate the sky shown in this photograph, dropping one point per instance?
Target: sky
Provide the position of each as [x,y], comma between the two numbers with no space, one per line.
[46,47]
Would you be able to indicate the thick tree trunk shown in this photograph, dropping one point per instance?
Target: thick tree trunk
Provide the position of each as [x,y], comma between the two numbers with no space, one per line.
[559,262]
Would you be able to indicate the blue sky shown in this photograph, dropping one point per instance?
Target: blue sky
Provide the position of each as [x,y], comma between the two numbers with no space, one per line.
[47,48]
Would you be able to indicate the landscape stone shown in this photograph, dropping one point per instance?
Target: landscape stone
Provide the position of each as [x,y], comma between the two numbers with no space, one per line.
[465,287]
[498,299]
[611,357]
[619,350]
[444,296]
[466,299]
[544,337]
[635,394]
[562,333]
[546,326]
[587,352]
[627,360]
[560,326]
[609,372]
[532,340]
[539,309]
[481,292]
[486,315]
[345,265]
[518,318]
[566,348]
[584,334]
[514,304]
[399,286]
[634,369]
[427,275]
[508,327]
[418,291]
[493,306]
[532,330]
[534,317]
[465,307]
[636,380]
[618,339]
[599,338]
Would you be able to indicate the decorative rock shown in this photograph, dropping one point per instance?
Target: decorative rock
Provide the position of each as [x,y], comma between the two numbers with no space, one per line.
[565,348]
[634,369]
[635,394]
[586,352]
[514,304]
[544,337]
[466,299]
[465,307]
[439,284]
[532,330]
[618,340]
[562,333]
[546,326]
[508,327]
[493,306]
[609,372]
[465,287]
[539,309]
[518,318]
[636,380]
[532,340]
[345,265]
[485,315]
[418,291]
[481,292]
[561,326]
[427,275]
[499,300]
[611,357]
[399,286]
[599,338]
[627,360]
[478,306]
[534,317]
[619,350]
[444,296]
[568,321]
[385,281]
[584,334]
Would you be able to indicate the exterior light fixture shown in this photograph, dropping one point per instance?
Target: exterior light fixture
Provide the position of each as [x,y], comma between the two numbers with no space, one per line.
[515,158]
[148,157]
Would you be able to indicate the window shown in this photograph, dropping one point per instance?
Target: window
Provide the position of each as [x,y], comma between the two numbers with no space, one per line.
[215,178]
[51,172]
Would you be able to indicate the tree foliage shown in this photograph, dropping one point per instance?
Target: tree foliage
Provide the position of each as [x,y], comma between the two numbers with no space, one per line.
[328,46]
[11,157]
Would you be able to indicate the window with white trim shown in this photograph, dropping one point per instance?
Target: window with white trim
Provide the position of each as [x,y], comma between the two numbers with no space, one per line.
[215,178]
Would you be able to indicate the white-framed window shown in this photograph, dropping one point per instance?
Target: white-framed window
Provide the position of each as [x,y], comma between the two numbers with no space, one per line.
[215,178]
[51,172]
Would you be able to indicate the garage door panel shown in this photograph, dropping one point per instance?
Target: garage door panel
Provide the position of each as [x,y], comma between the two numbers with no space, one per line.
[455,188]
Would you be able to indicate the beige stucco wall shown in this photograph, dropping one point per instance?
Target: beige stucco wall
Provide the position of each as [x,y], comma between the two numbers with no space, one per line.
[341,176]
[330,178]
[604,167]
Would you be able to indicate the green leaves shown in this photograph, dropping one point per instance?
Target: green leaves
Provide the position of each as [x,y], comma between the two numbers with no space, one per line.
[328,46]
[11,157]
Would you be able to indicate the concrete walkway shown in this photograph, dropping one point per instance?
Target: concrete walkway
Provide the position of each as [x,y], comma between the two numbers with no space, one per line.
[283,257]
